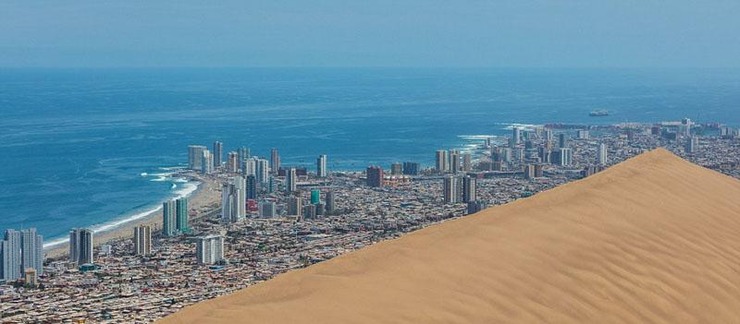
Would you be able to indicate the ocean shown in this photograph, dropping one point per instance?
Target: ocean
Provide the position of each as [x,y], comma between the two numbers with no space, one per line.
[84,147]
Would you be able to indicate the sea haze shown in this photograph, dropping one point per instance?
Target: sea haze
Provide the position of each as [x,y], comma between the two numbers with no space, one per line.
[84,147]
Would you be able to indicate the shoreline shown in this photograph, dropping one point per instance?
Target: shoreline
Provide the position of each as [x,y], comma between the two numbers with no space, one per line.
[204,195]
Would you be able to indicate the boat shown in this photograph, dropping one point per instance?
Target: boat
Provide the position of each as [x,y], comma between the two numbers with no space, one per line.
[599,113]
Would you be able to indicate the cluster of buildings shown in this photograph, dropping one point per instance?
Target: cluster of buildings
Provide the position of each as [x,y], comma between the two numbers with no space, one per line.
[273,218]
[21,256]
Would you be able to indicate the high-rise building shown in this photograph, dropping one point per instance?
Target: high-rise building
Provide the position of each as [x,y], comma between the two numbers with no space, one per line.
[142,240]
[548,135]
[249,166]
[267,209]
[454,162]
[562,140]
[232,162]
[295,206]
[411,168]
[467,162]
[291,181]
[330,203]
[209,249]
[218,153]
[374,176]
[262,170]
[441,161]
[32,251]
[181,215]
[234,201]
[469,192]
[516,136]
[451,190]
[321,166]
[539,171]
[309,212]
[11,256]
[195,157]
[563,157]
[692,145]
[315,196]
[169,222]
[274,160]
[251,187]
[529,172]
[602,155]
[583,134]
[396,169]
[207,162]
[81,246]
[244,154]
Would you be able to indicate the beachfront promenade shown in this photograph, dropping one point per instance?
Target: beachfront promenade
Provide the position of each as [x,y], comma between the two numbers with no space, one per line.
[127,288]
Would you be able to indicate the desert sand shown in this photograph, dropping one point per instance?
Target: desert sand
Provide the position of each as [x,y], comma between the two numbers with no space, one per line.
[654,239]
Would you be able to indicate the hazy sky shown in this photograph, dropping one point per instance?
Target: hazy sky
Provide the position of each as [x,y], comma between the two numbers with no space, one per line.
[516,33]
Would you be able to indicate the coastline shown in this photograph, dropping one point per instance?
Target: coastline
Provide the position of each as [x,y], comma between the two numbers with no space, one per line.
[204,196]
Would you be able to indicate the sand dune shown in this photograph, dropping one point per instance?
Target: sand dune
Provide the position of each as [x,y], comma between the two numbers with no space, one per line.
[654,239]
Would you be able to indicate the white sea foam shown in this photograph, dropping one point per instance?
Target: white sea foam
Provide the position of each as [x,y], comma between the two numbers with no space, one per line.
[185,191]
[522,126]
[144,174]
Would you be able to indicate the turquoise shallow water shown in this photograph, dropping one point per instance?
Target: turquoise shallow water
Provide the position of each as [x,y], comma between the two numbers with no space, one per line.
[76,143]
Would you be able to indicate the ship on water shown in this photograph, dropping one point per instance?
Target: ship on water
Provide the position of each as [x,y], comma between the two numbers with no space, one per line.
[599,113]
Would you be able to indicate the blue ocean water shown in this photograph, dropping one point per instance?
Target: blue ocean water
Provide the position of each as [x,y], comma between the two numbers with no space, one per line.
[76,143]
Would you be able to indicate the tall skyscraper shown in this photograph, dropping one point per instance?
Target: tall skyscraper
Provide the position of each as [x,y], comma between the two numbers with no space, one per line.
[274,161]
[602,156]
[244,154]
[142,240]
[182,218]
[396,169]
[209,249]
[548,135]
[232,162]
[374,176]
[234,200]
[441,161]
[249,167]
[267,209]
[262,170]
[218,153]
[207,162]
[195,157]
[516,136]
[32,251]
[251,187]
[295,206]
[529,172]
[467,162]
[469,192]
[454,162]
[315,196]
[291,181]
[562,140]
[81,246]
[169,222]
[692,144]
[563,157]
[411,168]
[330,203]
[451,190]
[321,166]
[11,256]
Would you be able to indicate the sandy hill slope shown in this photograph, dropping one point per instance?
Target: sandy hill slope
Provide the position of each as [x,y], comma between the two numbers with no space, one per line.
[654,239]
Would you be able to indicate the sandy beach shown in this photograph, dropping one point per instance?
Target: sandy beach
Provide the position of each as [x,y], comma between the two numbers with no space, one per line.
[206,197]
[651,240]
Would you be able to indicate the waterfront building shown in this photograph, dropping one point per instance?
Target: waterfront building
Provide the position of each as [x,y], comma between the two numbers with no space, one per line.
[411,168]
[232,162]
[295,206]
[330,203]
[207,162]
[142,240]
[562,140]
[267,209]
[169,222]
[244,154]
[274,160]
[516,136]
[181,215]
[195,157]
[209,249]
[321,166]
[374,176]
[251,187]
[396,169]
[218,154]
[32,250]
[441,161]
[602,155]
[81,246]
[451,190]
[291,180]
[11,256]
[467,162]
[315,196]
[469,192]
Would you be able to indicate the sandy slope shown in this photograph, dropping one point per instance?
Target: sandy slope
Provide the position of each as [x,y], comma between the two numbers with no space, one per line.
[654,239]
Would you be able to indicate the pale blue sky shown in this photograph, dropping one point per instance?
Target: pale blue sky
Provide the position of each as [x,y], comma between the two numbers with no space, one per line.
[418,33]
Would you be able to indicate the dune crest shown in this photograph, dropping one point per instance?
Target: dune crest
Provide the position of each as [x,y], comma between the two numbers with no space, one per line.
[653,239]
